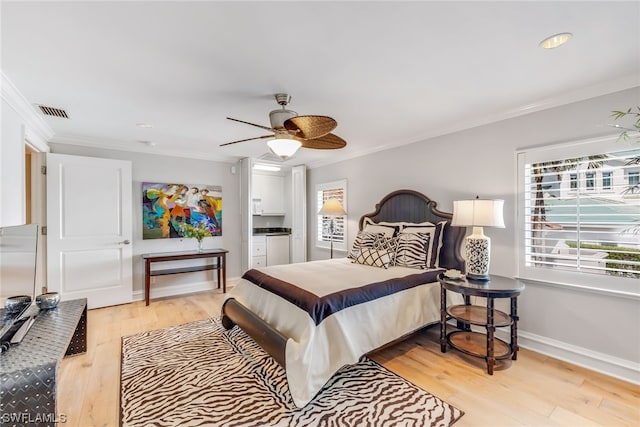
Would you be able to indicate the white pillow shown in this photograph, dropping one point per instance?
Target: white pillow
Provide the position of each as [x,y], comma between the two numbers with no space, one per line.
[386,228]
[382,229]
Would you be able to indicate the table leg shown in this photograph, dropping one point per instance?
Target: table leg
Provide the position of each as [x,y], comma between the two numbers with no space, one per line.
[514,328]
[443,319]
[147,280]
[490,336]
[219,261]
[224,273]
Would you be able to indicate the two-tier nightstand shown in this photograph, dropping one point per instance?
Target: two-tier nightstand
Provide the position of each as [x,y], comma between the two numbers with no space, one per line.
[474,343]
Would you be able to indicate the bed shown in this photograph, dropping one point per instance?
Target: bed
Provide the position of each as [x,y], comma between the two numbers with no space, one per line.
[318,316]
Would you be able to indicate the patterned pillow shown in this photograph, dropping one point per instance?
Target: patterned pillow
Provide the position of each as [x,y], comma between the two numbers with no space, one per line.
[435,232]
[362,240]
[412,250]
[388,244]
[372,257]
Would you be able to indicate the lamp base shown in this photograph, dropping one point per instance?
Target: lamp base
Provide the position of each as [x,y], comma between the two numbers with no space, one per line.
[478,277]
[477,254]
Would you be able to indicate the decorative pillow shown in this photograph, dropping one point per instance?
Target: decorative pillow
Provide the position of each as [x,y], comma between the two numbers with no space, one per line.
[389,229]
[439,238]
[435,233]
[412,250]
[416,224]
[363,240]
[372,257]
[388,244]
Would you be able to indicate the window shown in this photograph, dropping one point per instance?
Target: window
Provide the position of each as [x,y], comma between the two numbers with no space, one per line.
[336,190]
[591,180]
[578,237]
[573,178]
[606,180]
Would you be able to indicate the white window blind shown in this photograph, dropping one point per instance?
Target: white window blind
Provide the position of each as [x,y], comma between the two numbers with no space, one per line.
[336,190]
[579,215]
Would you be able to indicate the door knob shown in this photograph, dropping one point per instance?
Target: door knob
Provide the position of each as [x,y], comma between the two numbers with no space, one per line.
[125,242]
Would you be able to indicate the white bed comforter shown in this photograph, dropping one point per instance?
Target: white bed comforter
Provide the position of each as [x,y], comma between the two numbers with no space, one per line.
[315,352]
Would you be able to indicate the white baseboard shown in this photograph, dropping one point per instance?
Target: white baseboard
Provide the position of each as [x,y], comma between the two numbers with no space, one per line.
[182,289]
[606,364]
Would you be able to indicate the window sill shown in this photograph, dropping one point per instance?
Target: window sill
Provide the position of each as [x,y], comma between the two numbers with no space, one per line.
[582,288]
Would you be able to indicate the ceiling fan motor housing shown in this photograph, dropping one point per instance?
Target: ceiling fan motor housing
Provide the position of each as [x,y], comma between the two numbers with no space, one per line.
[278,117]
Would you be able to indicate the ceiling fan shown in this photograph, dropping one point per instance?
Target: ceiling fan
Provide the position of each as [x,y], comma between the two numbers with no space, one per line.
[291,131]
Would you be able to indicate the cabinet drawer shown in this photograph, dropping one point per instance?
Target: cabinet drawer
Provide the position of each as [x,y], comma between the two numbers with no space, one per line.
[258,261]
[259,245]
[259,249]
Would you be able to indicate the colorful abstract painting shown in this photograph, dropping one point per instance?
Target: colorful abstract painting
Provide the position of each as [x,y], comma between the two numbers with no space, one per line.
[166,208]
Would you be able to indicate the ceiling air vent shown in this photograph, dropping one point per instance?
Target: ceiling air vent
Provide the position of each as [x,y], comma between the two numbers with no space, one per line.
[53,112]
[270,157]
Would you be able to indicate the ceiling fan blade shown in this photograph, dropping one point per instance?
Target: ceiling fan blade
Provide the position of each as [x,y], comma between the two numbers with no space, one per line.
[248,139]
[252,124]
[310,127]
[327,142]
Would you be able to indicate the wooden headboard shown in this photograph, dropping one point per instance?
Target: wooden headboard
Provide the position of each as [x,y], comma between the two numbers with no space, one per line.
[412,206]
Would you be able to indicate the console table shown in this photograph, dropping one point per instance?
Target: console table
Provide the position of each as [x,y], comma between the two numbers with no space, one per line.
[473,343]
[28,370]
[220,264]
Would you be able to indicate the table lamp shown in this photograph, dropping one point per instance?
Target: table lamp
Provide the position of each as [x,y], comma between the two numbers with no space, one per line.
[478,213]
[332,208]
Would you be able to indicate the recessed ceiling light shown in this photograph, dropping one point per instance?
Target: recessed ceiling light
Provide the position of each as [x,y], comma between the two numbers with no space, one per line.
[555,40]
[144,125]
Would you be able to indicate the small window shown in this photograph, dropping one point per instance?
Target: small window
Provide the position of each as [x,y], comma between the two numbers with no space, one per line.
[331,190]
[606,180]
[573,178]
[634,179]
[591,180]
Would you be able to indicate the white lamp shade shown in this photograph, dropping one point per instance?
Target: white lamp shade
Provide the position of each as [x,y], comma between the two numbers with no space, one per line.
[478,213]
[284,148]
[332,207]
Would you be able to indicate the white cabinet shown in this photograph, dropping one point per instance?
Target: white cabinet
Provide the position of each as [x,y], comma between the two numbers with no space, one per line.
[269,250]
[259,251]
[267,194]
[278,249]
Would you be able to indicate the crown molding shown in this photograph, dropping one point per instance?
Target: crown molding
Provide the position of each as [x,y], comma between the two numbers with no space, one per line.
[37,131]
[117,145]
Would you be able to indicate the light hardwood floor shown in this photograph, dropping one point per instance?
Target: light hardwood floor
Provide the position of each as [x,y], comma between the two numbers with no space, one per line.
[535,390]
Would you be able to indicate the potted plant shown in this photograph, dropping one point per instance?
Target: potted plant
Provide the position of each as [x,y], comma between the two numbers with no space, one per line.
[197,232]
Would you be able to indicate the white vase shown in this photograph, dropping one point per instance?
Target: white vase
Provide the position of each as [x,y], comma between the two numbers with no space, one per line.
[200,245]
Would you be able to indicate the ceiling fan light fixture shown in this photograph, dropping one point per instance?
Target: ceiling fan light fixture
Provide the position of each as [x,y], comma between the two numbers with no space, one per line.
[284,147]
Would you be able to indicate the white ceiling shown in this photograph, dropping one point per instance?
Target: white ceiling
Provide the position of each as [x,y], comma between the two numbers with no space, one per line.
[390,73]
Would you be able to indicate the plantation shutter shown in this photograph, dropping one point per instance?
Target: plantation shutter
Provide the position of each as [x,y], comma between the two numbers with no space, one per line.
[580,213]
[336,190]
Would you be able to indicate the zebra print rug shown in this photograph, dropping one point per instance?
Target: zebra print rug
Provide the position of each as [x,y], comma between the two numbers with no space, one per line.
[200,374]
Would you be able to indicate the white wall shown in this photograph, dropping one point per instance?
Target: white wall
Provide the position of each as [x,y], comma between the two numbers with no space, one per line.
[585,327]
[12,204]
[19,124]
[156,168]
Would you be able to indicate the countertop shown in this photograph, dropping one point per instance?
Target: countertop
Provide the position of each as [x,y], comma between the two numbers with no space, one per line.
[271,231]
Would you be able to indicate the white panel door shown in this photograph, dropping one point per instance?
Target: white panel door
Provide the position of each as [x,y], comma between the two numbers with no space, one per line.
[246,218]
[299,214]
[89,229]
